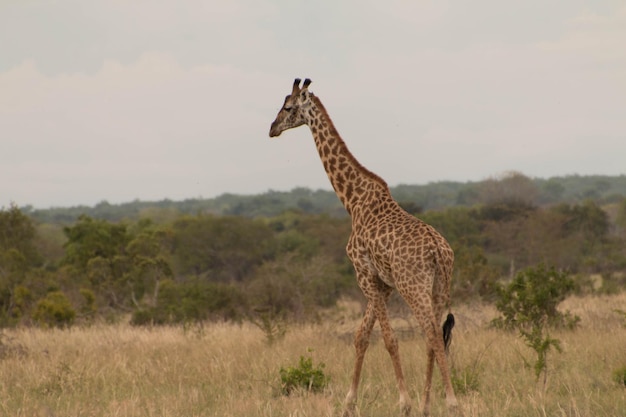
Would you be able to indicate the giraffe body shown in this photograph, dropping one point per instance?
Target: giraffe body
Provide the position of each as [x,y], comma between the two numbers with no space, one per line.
[389,248]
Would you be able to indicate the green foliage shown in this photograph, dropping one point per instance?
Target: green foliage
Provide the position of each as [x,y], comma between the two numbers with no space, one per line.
[284,252]
[465,380]
[473,276]
[529,304]
[540,341]
[90,238]
[88,308]
[17,234]
[273,326]
[531,299]
[224,248]
[18,255]
[22,298]
[622,313]
[191,301]
[54,310]
[619,376]
[303,376]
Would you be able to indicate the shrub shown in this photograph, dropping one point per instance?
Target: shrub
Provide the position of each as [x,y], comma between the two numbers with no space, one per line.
[532,298]
[619,376]
[529,304]
[54,310]
[303,376]
[465,380]
[190,301]
[88,308]
[273,326]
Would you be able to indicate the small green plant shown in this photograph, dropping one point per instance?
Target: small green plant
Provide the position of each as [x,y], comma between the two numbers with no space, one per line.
[304,376]
[622,313]
[619,376]
[540,341]
[529,304]
[273,325]
[465,380]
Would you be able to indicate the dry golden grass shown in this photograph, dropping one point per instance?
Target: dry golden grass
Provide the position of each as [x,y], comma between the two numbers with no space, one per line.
[229,370]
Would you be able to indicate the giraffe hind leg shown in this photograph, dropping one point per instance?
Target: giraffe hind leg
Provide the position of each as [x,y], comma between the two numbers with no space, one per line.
[427,318]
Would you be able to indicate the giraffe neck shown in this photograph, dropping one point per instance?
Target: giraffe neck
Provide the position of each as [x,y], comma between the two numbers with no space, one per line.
[353,183]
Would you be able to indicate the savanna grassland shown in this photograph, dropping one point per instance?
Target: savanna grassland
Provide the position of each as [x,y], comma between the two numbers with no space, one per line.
[231,370]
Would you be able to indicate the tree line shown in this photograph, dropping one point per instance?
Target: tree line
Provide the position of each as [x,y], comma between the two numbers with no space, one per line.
[164,266]
[570,189]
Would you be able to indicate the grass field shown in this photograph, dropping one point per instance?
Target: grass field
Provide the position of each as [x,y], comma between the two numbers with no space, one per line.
[230,370]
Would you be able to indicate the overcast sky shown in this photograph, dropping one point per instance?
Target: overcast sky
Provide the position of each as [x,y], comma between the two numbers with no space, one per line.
[122,100]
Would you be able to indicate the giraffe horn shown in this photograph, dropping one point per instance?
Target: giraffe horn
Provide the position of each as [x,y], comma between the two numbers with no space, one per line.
[296,86]
[307,82]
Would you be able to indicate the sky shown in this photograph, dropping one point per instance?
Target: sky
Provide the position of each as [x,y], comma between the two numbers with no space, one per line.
[111,100]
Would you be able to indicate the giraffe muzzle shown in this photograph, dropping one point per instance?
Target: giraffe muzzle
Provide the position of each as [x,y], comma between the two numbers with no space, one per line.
[274,130]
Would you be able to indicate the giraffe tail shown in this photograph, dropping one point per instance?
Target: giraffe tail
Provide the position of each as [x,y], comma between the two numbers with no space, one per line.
[447,330]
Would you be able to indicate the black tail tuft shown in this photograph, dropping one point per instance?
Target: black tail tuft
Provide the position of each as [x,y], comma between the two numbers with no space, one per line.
[447,330]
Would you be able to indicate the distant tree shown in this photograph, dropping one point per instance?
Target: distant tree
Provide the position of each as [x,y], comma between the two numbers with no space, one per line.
[122,263]
[411,207]
[621,215]
[552,190]
[223,249]
[459,225]
[512,188]
[293,287]
[17,233]
[473,277]
[18,256]
[89,238]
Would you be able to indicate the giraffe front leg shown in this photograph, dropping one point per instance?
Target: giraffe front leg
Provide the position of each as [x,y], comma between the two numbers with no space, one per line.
[361,343]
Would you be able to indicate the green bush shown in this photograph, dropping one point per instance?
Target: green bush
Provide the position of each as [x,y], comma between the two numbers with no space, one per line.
[192,301]
[273,326]
[54,310]
[304,376]
[88,309]
[465,380]
[532,299]
[619,376]
[529,304]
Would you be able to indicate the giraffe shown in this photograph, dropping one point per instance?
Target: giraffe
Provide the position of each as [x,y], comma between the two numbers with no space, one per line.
[389,248]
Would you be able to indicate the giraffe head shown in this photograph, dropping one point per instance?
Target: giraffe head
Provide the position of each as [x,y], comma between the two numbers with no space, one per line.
[294,110]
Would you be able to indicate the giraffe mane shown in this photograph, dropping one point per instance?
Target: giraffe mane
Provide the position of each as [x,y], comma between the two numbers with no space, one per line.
[333,131]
